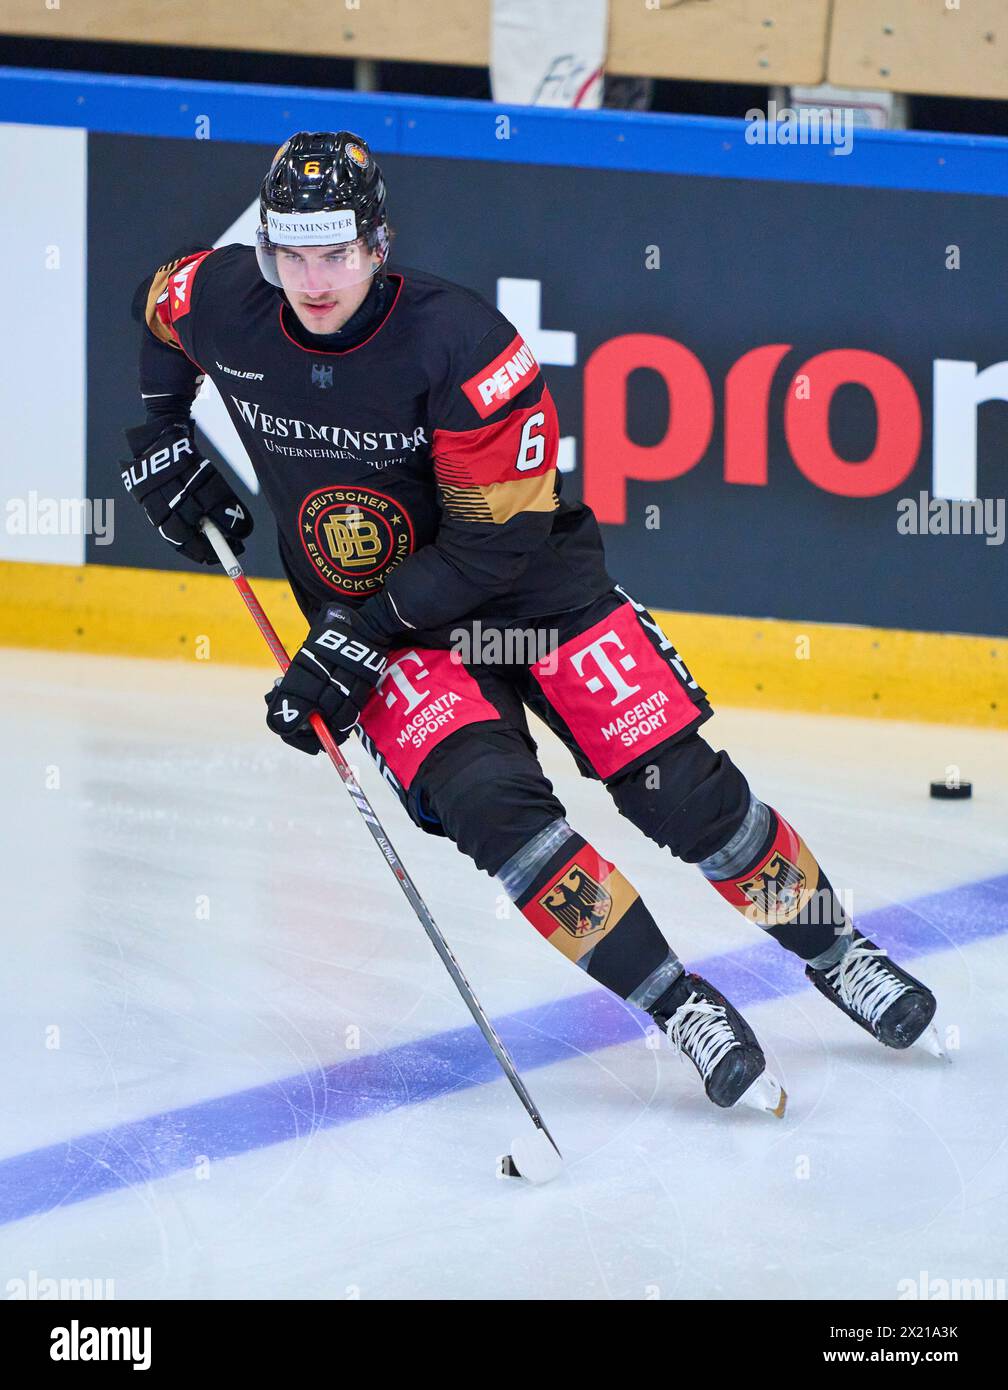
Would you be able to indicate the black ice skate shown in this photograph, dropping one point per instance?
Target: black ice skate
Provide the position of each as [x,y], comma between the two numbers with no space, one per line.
[704,1027]
[876,993]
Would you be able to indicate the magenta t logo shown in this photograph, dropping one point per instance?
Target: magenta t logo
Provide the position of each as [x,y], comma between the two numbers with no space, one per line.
[403,684]
[610,670]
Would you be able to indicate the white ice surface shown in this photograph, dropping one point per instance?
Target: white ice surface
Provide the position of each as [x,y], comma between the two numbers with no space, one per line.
[170,792]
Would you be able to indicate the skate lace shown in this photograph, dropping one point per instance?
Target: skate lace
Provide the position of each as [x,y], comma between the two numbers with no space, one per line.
[863,982]
[701,1030]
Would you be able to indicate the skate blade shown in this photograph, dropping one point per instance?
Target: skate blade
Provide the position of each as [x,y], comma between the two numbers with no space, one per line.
[930,1042]
[765,1093]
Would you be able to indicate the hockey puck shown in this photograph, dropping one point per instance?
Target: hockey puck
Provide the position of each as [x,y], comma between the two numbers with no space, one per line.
[958,791]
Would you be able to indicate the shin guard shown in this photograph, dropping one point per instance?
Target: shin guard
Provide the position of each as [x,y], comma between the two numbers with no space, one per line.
[767,871]
[583,906]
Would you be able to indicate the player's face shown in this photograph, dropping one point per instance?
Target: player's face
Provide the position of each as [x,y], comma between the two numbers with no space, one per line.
[325,284]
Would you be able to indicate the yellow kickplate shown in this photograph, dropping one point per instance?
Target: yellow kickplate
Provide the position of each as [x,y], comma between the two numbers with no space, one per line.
[141,612]
[767,663]
[827,668]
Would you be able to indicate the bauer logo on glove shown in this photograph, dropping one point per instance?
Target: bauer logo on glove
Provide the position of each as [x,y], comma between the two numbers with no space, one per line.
[177,488]
[334,673]
[155,460]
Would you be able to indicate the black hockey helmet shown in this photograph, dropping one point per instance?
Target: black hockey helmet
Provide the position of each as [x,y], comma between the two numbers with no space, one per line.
[324,189]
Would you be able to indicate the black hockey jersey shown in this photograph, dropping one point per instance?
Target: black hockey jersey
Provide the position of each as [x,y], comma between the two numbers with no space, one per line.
[414,473]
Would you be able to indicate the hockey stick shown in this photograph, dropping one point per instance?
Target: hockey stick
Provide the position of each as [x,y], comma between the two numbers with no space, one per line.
[535,1165]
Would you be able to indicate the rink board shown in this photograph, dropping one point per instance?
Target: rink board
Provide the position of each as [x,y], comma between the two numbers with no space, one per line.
[692,397]
[773,270]
[761,663]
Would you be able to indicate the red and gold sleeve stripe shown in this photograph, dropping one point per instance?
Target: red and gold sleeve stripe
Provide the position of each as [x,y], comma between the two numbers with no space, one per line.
[493,472]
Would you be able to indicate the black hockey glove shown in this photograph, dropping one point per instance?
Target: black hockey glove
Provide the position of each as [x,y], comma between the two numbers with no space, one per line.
[177,487]
[334,672]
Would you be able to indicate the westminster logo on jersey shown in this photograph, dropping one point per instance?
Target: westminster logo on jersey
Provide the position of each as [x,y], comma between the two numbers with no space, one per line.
[354,537]
[578,903]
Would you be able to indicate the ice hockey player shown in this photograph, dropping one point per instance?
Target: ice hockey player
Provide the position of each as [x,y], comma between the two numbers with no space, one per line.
[406,443]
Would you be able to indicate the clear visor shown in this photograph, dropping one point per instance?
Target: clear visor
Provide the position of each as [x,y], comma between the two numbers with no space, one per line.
[313,269]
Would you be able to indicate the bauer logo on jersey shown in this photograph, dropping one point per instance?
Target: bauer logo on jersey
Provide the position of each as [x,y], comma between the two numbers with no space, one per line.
[354,537]
[578,902]
[502,379]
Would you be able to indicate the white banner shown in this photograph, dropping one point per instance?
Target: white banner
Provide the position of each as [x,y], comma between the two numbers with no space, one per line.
[548,52]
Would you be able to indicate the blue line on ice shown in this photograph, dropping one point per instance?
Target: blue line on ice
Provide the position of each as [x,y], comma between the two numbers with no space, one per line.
[293,1107]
